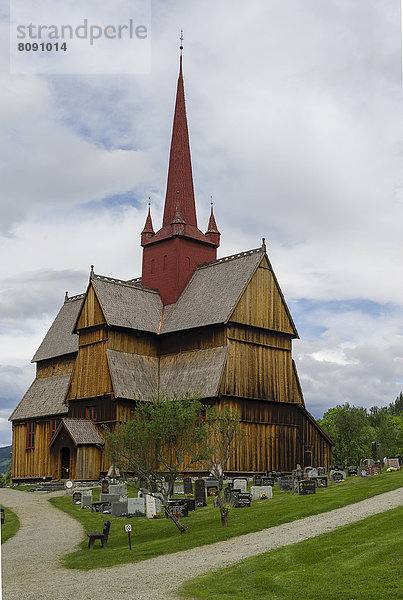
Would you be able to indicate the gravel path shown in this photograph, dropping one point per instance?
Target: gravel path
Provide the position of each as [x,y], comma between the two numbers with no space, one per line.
[30,559]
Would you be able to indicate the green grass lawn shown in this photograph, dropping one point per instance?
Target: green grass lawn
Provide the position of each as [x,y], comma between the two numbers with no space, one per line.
[155,537]
[11,525]
[361,561]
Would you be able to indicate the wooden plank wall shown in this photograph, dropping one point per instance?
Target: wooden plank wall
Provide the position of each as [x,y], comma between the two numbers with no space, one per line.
[262,304]
[34,462]
[133,342]
[258,371]
[61,365]
[91,376]
[91,312]
[198,339]
[88,464]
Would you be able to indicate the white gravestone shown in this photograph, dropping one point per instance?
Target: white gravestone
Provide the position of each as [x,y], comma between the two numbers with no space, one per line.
[153,506]
[258,490]
[136,505]
[240,484]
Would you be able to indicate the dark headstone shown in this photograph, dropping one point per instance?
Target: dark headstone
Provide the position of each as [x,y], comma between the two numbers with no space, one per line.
[321,471]
[190,503]
[363,471]
[76,497]
[267,480]
[306,486]
[187,486]
[337,476]
[257,480]
[321,481]
[374,469]
[179,507]
[352,471]
[105,486]
[119,509]
[240,499]
[200,492]
[284,484]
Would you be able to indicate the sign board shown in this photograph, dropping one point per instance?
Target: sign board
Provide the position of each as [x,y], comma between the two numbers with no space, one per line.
[128,528]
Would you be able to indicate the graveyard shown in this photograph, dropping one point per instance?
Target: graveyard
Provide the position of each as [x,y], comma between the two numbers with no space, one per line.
[152,537]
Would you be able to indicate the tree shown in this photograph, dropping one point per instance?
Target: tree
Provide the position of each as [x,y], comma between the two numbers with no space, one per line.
[157,443]
[222,432]
[356,433]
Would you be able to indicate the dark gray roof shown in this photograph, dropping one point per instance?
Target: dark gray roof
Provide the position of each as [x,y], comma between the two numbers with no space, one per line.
[128,305]
[133,376]
[82,431]
[59,339]
[136,376]
[44,398]
[212,293]
[195,371]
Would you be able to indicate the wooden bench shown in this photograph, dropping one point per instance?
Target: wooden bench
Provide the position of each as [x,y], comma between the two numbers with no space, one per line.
[101,535]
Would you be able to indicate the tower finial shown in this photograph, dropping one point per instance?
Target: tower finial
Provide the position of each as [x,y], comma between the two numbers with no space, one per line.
[264,244]
[181,39]
[211,202]
[149,202]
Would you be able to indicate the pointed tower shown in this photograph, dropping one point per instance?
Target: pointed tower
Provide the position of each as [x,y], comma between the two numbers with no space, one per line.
[172,254]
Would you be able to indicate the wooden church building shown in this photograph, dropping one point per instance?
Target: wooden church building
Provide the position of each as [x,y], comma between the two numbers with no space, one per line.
[190,322]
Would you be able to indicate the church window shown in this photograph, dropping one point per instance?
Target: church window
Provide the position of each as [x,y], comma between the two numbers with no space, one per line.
[30,435]
[54,424]
[91,413]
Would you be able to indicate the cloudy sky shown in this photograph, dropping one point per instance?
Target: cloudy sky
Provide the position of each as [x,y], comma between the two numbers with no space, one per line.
[295,118]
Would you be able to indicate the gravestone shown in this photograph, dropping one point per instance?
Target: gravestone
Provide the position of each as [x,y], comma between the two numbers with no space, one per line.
[109,498]
[352,470]
[321,471]
[190,503]
[118,509]
[136,505]
[178,507]
[200,492]
[187,486]
[257,480]
[240,484]
[306,487]
[212,485]
[336,476]
[297,475]
[321,481]
[312,473]
[363,471]
[267,480]
[240,499]
[179,487]
[367,462]
[86,500]
[118,488]
[76,497]
[153,506]
[393,462]
[105,486]
[374,469]
[257,490]
[284,484]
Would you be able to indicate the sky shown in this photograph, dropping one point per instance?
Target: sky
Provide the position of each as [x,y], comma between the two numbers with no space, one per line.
[295,119]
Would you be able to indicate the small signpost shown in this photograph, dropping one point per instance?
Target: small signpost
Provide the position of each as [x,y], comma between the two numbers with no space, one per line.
[128,528]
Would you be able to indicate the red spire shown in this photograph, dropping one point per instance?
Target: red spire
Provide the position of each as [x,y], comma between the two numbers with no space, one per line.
[148,230]
[212,232]
[180,191]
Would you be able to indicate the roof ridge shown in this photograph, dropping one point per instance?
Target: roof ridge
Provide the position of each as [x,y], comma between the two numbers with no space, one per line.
[231,257]
[131,283]
[76,297]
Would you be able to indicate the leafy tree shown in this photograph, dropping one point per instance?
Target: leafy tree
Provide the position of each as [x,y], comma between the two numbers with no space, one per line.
[356,433]
[396,407]
[160,439]
[222,433]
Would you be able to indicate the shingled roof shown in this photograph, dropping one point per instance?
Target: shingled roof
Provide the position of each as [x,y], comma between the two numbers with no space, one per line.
[60,339]
[81,431]
[136,376]
[44,398]
[128,304]
[212,293]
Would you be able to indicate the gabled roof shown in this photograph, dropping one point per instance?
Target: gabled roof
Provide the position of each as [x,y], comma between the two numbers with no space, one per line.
[81,431]
[44,398]
[60,339]
[212,293]
[128,304]
[136,376]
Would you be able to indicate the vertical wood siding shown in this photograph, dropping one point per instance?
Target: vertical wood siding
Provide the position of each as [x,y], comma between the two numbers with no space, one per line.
[91,376]
[91,312]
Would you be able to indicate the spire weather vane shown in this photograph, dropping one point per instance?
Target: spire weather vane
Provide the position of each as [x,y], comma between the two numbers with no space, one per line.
[181,39]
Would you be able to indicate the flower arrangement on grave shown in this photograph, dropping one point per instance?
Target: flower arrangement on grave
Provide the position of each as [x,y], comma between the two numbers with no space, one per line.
[264,497]
[212,492]
[200,504]
[158,516]
[192,495]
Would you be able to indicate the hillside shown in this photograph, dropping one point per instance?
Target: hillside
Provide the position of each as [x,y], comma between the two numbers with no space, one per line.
[5,459]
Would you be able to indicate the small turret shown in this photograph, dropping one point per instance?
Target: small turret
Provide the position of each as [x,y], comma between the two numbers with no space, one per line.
[148,230]
[212,232]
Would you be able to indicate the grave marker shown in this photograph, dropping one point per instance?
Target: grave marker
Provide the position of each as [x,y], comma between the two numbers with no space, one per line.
[306,487]
[241,484]
[187,486]
[257,490]
[200,492]
[284,484]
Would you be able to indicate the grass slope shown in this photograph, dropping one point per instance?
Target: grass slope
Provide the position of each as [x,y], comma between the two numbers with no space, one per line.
[11,525]
[160,536]
[361,561]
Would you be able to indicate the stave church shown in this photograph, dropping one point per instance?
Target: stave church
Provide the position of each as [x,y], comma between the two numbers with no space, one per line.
[192,321]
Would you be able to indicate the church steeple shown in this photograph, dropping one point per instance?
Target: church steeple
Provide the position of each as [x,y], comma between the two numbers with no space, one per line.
[172,254]
[180,192]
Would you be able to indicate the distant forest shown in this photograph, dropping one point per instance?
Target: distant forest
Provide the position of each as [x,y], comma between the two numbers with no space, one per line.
[359,427]
[5,459]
